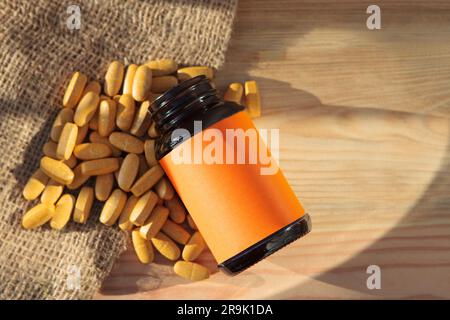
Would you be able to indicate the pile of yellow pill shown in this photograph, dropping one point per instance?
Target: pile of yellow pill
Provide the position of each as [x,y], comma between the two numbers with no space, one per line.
[101,148]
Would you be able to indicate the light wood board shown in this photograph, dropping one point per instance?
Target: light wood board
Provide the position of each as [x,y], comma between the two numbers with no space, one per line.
[364,127]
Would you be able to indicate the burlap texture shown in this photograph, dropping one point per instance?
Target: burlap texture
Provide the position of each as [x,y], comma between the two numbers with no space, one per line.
[37,55]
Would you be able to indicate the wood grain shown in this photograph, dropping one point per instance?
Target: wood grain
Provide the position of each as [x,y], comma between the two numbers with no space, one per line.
[364,127]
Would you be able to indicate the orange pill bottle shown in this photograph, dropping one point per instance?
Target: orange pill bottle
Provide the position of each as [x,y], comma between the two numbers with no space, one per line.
[213,155]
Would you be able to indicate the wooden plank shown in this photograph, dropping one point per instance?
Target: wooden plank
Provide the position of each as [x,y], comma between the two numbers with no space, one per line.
[364,128]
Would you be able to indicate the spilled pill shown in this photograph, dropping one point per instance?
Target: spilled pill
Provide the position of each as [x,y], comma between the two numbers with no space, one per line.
[99,166]
[83,205]
[63,211]
[74,90]
[143,208]
[67,141]
[57,170]
[126,109]
[149,151]
[126,142]
[162,67]
[147,180]
[35,185]
[103,186]
[191,271]
[234,93]
[37,216]
[91,151]
[113,207]
[113,78]
[142,247]
[164,189]
[96,138]
[252,99]
[177,211]
[128,171]
[142,120]
[86,108]
[124,219]
[175,231]
[79,178]
[128,80]
[106,117]
[166,246]
[191,72]
[163,83]
[142,83]
[64,116]
[194,247]
[53,190]
[154,223]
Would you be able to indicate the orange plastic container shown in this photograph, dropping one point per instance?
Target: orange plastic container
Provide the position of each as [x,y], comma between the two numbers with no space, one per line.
[217,162]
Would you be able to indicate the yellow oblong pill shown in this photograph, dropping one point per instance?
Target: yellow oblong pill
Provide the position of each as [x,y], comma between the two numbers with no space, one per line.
[37,216]
[164,189]
[99,166]
[149,151]
[53,190]
[35,185]
[126,109]
[64,116]
[142,247]
[143,208]
[74,90]
[128,80]
[124,219]
[95,137]
[147,180]
[163,83]
[67,141]
[177,211]
[92,151]
[83,205]
[93,123]
[162,67]
[191,72]
[128,171]
[86,109]
[63,211]
[142,83]
[49,149]
[175,231]
[114,78]
[71,162]
[154,222]
[113,207]
[234,92]
[194,247]
[107,117]
[82,133]
[126,142]
[143,166]
[57,170]
[79,178]
[191,271]
[142,119]
[166,246]
[191,222]
[93,86]
[152,131]
[252,99]
[103,186]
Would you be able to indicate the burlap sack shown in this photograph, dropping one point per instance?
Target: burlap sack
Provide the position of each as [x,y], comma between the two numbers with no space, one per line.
[37,55]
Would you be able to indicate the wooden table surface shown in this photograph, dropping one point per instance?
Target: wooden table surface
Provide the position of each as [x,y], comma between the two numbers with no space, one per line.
[364,128]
